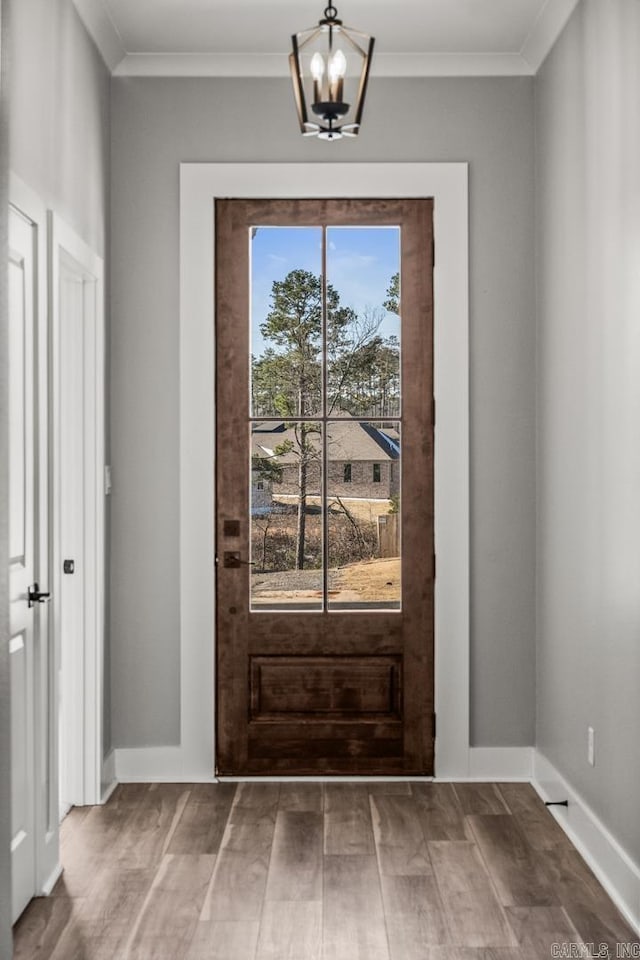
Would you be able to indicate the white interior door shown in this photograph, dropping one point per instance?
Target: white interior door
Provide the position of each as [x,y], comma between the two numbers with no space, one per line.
[23,543]
[77,367]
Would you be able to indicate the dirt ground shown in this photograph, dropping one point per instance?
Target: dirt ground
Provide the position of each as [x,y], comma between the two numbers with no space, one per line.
[367,580]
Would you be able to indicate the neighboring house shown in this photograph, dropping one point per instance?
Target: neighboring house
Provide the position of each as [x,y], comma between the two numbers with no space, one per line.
[363,461]
[261,494]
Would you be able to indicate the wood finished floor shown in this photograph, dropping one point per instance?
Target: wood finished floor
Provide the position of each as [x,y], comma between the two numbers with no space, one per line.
[309,871]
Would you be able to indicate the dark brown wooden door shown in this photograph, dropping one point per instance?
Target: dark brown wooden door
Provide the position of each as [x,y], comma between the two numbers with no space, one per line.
[324,487]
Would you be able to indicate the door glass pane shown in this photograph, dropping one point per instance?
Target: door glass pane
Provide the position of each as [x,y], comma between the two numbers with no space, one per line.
[344,510]
[363,321]
[286,516]
[286,321]
[363,514]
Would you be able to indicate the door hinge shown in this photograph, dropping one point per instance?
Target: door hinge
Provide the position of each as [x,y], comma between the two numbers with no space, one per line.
[434,724]
[433,412]
[434,566]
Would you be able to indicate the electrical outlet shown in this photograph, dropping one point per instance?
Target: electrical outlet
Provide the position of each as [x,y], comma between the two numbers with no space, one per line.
[591,746]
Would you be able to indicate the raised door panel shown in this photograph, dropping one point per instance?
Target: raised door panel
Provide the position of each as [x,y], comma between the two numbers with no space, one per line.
[22,771]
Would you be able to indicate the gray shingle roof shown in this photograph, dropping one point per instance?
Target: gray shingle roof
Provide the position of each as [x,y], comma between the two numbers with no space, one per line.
[349,440]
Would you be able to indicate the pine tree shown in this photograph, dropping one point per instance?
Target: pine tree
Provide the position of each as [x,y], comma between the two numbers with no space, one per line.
[287,379]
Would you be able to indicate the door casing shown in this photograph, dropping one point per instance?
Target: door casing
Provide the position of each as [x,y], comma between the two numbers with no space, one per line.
[193,758]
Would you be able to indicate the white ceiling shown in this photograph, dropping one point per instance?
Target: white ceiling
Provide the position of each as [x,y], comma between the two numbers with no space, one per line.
[251,37]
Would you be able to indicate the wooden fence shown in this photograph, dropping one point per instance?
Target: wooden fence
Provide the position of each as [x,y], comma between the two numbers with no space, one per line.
[389,535]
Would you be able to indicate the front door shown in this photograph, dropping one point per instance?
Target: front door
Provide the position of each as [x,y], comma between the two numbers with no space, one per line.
[324,487]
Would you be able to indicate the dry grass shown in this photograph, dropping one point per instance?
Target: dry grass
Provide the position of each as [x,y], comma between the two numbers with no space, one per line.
[367,510]
[372,579]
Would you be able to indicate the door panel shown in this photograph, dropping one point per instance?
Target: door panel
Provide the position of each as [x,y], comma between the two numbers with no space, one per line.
[22,493]
[325,687]
[324,582]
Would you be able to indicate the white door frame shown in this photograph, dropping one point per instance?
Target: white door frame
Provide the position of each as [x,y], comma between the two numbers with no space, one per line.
[200,184]
[87,663]
[47,866]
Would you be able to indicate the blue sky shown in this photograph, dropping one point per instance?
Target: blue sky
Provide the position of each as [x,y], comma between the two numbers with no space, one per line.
[360,264]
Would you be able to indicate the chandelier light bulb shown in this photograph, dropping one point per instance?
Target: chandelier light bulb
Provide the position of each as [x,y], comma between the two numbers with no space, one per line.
[317,66]
[337,67]
[317,72]
[337,71]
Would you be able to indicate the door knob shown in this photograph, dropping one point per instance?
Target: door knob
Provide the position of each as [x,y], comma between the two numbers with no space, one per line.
[35,595]
[231,560]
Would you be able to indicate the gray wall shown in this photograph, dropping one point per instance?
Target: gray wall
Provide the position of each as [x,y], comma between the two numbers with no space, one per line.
[5,691]
[60,114]
[588,611]
[156,123]
[59,109]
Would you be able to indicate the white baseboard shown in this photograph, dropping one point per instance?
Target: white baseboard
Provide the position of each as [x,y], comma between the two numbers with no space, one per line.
[500,763]
[167,765]
[108,790]
[612,865]
[493,765]
[51,880]
[158,765]
[108,781]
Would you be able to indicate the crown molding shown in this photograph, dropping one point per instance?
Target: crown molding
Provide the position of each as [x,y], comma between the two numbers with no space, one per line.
[276,65]
[450,65]
[543,35]
[548,26]
[103,31]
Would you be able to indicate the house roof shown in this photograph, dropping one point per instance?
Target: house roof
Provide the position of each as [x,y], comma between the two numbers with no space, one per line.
[348,440]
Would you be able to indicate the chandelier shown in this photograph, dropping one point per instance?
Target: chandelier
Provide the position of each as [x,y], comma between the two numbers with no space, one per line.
[330,68]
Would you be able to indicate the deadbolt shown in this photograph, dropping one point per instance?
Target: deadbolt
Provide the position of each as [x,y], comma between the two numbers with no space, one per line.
[69,566]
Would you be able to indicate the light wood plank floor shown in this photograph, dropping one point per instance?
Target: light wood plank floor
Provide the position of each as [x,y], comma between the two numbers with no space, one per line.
[306,871]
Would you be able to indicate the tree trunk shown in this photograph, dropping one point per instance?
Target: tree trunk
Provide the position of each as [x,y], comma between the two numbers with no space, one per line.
[302,479]
[302,509]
